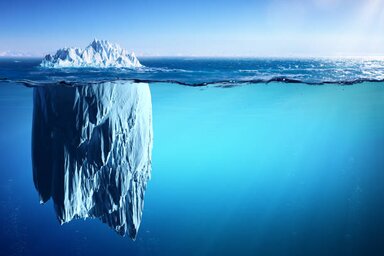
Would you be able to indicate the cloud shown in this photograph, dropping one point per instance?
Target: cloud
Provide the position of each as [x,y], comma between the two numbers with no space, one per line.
[15,54]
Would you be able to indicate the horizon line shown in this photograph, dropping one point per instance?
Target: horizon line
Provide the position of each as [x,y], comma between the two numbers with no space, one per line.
[379,56]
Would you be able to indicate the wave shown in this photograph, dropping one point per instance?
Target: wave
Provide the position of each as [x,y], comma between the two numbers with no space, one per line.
[220,83]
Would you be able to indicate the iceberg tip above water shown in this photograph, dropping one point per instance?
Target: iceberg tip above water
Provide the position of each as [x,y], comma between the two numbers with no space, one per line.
[98,54]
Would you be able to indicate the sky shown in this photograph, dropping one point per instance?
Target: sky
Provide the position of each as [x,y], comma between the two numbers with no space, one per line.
[250,28]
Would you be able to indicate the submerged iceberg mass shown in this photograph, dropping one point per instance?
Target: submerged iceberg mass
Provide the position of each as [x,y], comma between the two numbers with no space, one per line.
[91,151]
[98,54]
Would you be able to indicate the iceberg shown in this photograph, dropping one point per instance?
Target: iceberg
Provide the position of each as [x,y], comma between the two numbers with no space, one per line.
[98,54]
[91,151]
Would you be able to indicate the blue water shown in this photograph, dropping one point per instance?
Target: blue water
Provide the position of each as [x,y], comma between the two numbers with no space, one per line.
[248,169]
[206,71]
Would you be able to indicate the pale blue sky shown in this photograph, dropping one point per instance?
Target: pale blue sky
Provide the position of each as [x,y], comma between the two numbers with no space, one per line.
[199,27]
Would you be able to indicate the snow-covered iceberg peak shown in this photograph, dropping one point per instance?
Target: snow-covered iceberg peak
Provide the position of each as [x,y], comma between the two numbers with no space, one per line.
[98,54]
[92,150]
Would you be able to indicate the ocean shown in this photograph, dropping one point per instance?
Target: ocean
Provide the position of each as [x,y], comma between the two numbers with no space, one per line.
[250,157]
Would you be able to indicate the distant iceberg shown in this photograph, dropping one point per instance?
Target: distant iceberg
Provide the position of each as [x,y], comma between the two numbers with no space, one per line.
[91,151]
[98,54]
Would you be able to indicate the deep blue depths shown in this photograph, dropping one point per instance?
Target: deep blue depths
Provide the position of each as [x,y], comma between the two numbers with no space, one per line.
[258,169]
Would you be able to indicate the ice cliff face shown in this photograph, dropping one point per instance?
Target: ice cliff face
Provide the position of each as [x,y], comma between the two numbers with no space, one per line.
[91,151]
[99,54]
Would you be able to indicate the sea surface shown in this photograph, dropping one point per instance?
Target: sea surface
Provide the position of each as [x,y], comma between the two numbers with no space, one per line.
[250,157]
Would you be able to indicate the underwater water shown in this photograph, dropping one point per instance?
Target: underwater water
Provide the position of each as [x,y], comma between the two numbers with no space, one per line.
[243,166]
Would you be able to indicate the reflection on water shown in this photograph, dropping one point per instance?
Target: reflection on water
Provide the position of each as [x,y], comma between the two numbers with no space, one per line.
[91,151]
